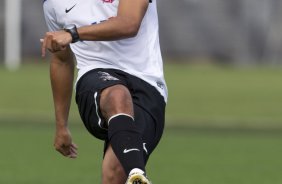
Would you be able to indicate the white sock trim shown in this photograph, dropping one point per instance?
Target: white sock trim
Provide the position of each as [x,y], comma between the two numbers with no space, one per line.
[120,114]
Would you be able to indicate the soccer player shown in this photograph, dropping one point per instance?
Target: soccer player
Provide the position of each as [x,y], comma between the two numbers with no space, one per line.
[120,90]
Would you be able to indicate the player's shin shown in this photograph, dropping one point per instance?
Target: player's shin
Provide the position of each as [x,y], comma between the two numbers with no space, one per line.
[126,142]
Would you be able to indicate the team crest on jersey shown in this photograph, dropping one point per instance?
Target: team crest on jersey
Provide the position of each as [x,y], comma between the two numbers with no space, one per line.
[108,1]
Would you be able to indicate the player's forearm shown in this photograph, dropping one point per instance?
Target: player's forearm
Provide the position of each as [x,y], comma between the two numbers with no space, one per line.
[125,25]
[61,76]
[114,29]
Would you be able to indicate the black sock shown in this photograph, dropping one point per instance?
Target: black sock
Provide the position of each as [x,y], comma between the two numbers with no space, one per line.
[126,142]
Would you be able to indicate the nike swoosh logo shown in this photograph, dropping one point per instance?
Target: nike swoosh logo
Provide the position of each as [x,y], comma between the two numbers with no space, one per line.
[68,10]
[129,150]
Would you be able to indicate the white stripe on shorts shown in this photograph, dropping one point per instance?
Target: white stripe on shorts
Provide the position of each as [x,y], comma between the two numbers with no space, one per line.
[97,111]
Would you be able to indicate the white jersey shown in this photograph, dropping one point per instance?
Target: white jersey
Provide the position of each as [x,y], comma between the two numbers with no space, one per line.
[139,56]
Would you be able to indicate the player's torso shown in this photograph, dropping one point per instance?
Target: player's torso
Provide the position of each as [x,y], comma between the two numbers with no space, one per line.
[139,56]
[132,53]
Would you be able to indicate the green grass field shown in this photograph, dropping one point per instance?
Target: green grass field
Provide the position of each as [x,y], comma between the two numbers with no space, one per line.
[224,126]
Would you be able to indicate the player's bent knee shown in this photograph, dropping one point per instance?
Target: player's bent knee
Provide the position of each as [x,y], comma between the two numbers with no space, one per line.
[116,99]
[116,93]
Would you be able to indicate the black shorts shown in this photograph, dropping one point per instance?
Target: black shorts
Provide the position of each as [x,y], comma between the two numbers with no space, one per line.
[149,105]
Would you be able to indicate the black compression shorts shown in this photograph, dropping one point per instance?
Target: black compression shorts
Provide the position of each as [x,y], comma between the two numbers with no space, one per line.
[149,105]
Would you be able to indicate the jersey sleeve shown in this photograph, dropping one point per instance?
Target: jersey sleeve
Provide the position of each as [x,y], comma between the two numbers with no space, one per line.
[50,16]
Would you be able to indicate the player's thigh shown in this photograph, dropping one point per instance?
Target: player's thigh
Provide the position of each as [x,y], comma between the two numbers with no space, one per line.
[88,93]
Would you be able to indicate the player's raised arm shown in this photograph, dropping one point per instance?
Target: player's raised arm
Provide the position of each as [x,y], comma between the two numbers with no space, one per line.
[126,24]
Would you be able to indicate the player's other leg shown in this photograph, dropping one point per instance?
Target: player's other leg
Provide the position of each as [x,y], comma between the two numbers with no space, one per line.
[112,170]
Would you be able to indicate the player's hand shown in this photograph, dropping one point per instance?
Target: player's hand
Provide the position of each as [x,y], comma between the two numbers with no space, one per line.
[63,143]
[55,41]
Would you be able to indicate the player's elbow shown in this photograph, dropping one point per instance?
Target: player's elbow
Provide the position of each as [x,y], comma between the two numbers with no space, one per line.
[131,28]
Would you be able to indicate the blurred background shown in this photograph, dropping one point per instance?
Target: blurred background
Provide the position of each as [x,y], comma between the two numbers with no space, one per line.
[239,32]
[223,66]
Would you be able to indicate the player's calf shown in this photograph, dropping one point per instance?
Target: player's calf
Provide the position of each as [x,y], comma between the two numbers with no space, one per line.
[126,142]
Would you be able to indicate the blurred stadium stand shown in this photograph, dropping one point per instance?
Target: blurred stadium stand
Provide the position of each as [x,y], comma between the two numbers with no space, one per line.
[236,31]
